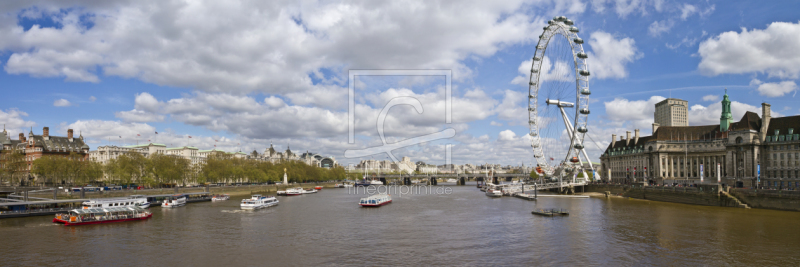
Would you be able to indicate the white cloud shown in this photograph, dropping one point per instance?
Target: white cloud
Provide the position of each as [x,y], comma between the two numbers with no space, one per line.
[507,135]
[711,98]
[777,89]
[558,71]
[158,43]
[92,98]
[14,122]
[103,130]
[620,110]
[61,103]
[659,27]
[767,51]
[494,123]
[138,116]
[687,10]
[610,55]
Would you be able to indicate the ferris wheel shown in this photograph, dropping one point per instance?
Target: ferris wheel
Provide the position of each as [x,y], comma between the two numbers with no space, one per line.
[558,102]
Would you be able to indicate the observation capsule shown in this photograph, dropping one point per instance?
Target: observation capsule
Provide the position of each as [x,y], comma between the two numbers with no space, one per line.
[584,72]
[584,111]
[582,55]
[578,40]
[573,29]
[585,91]
[582,129]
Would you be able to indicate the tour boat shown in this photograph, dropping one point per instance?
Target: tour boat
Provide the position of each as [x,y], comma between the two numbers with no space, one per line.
[376,200]
[145,204]
[494,192]
[318,188]
[309,190]
[258,202]
[102,215]
[220,197]
[177,200]
[117,202]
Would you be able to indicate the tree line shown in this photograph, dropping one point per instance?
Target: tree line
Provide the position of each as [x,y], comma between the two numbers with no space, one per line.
[158,170]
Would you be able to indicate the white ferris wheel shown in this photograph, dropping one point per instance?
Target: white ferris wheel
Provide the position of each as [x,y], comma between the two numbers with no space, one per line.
[558,102]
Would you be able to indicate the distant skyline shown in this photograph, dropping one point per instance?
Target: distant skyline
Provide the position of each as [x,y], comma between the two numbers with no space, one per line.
[242,75]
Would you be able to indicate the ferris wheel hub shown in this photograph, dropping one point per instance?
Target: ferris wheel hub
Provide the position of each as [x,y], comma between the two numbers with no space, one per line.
[559,103]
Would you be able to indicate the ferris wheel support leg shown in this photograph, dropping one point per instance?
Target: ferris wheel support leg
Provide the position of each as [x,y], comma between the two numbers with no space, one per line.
[568,124]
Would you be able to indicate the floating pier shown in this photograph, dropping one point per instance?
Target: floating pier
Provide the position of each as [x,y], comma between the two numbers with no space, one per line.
[525,196]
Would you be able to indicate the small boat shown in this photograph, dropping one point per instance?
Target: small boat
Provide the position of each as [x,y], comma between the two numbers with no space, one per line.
[338,186]
[452,180]
[102,215]
[145,204]
[220,197]
[551,212]
[174,201]
[291,192]
[376,182]
[258,202]
[494,192]
[375,200]
[309,190]
[318,188]
[346,185]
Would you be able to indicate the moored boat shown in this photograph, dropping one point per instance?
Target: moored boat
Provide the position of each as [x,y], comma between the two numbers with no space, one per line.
[222,197]
[551,212]
[309,190]
[291,191]
[174,201]
[318,188]
[375,200]
[494,192]
[102,215]
[452,180]
[131,201]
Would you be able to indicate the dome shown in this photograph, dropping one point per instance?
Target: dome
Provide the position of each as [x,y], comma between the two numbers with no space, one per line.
[85,146]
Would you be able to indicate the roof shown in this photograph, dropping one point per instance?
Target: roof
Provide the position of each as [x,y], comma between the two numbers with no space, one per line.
[105,210]
[183,147]
[750,121]
[58,143]
[783,124]
[146,145]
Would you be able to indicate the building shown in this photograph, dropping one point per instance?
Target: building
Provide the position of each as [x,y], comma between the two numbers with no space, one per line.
[103,154]
[37,146]
[672,112]
[755,151]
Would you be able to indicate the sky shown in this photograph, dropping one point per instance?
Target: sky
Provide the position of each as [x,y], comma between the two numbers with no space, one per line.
[241,75]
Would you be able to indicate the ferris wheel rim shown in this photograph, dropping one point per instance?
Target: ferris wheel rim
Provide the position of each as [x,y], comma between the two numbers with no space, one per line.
[563,27]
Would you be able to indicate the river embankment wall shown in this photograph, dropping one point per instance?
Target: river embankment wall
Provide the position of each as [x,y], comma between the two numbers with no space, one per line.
[768,199]
[706,196]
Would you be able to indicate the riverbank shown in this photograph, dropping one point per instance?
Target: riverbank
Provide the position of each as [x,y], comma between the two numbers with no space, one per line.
[706,195]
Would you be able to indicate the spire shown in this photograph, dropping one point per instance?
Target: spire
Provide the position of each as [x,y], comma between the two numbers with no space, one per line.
[726,117]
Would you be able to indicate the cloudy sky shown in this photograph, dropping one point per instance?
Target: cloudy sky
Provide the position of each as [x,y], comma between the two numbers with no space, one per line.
[243,74]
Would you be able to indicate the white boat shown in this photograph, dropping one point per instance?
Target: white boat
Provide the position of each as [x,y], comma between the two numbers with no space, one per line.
[144,205]
[348,185]
[291,192]
[494,192]
[220,197]
[309,190]
[376,182]
[258,202]
[117,202]
[338,186]
[375,200]
[451,180]
[178,200]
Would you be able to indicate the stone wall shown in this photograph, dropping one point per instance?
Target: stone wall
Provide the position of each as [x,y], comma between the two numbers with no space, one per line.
[708,196]
[769,199]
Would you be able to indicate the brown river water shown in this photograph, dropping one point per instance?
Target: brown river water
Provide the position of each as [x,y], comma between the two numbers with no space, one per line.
[461,228]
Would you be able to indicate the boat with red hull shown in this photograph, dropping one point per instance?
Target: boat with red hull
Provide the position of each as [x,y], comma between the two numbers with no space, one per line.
[102,215]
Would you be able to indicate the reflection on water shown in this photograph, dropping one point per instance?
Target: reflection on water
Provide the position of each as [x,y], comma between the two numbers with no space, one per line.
[464,228]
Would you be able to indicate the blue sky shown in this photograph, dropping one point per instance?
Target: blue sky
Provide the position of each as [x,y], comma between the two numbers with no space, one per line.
[242,75]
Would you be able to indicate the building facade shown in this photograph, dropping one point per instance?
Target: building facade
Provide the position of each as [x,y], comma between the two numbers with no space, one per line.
[755,151]
[672,112]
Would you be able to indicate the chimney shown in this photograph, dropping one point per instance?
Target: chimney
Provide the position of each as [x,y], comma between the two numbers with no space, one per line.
[627,138]
[765,118]
[636,136]
[22,137]
[69,134]
[655,127]
[46,132]
[613,139]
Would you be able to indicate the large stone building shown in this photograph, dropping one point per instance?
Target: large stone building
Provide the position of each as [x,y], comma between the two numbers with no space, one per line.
[672,112]
[732,151]
[37,146]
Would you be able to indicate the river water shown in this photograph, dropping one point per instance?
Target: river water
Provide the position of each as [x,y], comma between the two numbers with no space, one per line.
[461,228]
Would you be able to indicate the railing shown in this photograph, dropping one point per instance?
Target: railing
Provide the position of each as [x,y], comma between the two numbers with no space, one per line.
[34,211]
